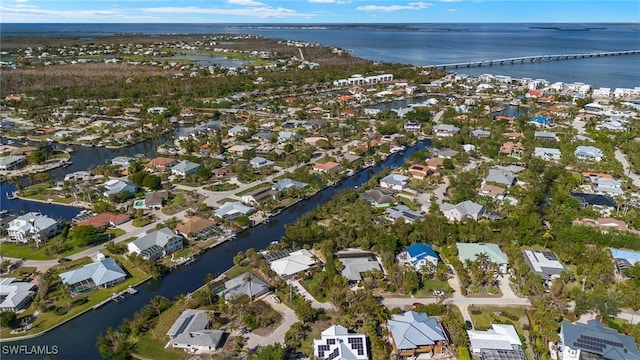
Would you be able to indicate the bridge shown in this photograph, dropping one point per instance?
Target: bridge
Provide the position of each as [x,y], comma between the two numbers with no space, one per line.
[532,59]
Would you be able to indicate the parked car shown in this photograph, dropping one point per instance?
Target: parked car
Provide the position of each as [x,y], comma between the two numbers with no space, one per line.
[468,324]
[276,299]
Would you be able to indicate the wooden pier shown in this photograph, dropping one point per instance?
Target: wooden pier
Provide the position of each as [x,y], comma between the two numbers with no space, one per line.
[116,296]
[532,59]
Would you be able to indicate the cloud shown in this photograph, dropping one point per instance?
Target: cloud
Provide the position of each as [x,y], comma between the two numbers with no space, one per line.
[410,6]
[450,1]
[245,2]
[21,1]
[256,12]
[451,10]
[322,1]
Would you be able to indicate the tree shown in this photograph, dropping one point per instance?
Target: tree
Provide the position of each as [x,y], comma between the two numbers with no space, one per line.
[8,319]
[269,352]
[152,182]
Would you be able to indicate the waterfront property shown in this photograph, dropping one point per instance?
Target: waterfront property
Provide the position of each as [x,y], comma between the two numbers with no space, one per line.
[293,263]
[191,332]
[232,210]
[101,274]
[394,182]
[160,164]
[338,343]
[379,198]
[245,284]
[499,342]
[412,334]
[157,244]
[287,184]
[15,295]
[594,341]
[11,162]
[197,228]
[32,227]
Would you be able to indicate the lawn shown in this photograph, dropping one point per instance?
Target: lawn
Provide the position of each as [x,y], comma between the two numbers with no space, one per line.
[237,270]
[222,187]
[175,205]
[151,348]
[253,188]
[430,285]
[315,288]
[484,316]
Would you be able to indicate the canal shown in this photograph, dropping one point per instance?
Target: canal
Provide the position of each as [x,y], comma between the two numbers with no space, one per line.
[76,339]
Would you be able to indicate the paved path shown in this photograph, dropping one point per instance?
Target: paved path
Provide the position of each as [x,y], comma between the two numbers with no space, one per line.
[277,336]
[635,178]
[314,303]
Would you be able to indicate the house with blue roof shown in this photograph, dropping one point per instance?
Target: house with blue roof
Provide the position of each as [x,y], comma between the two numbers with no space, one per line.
[412,334]
[419,255]
[541,120]
[100,274]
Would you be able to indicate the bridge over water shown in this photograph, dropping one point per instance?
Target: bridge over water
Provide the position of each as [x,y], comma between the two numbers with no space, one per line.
[532,59]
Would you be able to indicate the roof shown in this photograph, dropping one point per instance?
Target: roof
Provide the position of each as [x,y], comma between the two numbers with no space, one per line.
[395,179]
[338,343]
[116,186]
[185,166]
[194,225]
[23,222]
[403,211]
[161,161]
[158,238]
[543,263]
[497,337]
[353,266]
[594,199]
[245,284]
[500,176]
[104,219]
[588,150]
[470,251]
[156,197]
[421,251]
[413,329]
[378,196]
[233,208]
[285,184]
[297,261]
[594,338]
[100,272]
[13,293]
[465,208]
[326,166]
[190,328]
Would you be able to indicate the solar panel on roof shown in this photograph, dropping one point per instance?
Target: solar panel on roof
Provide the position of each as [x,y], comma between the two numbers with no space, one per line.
[550,256]
[333,355]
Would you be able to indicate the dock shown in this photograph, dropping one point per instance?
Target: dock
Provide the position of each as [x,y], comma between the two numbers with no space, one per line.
[116,297]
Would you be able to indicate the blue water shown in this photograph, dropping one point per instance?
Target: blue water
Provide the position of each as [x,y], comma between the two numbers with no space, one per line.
[429,44]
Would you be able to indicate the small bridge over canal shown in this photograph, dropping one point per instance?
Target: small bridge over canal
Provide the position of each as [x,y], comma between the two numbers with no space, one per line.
[531,59]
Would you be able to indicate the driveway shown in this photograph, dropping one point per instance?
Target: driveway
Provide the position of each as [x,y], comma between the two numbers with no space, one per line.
[277,336]
[627,168]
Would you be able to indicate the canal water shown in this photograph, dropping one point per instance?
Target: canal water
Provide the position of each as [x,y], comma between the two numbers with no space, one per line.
[76,339]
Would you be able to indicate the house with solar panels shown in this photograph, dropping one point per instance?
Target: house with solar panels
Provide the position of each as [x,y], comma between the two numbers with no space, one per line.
[594,341]
[338,344]
[413,334]
[545,264]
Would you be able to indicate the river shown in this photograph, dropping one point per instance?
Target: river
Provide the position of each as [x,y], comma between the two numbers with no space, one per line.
[76,339]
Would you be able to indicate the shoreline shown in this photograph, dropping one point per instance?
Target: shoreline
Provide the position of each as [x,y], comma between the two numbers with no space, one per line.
[73,205]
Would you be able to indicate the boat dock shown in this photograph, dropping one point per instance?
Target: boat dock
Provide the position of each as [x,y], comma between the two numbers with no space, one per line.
[117,296]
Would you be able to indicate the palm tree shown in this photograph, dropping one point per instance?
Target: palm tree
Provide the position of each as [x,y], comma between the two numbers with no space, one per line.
[247,279]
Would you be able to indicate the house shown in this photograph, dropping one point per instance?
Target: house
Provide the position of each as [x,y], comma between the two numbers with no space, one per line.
[160,164]
[541,120]
[512,149]
[11,162]
[288,184]
[116,187]
[357,262]
[545,136]
[379,197]
[588,152]
[419,171]
[603,203]
[191,332]
[260,195]
[15,295]
[513,135]
[184,168]
[583,138]
[403,212]
[197,227]
[624,259]
[593,108]
[122,161]
[412,334]
[155,245]
[79,176]
[100,274]
[259,162]
[394,182]
[327,167]
[32,226]
[237,130]
[499,342]
[594,341]
[492,191]
[106,219]
[501,177]
[295,262]
[245,284]
[545,264]
[154,199]
[412,126]
[435,163]
[223,172]
[547,153]
[233,210]
[445,130]
[287,136]
[470,251]
[480,133]
[336,343]
[419,255]
[603,184]
[461,211]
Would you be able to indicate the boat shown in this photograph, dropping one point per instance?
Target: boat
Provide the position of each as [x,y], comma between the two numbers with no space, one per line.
[11,196]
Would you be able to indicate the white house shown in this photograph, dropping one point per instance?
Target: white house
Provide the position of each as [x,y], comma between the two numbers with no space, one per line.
[232,210]
[588,152]
[191,332]
[184,168]
[157,244]
[15,295]
[260,162]
[338,343]
[103,273]
[394,182]
[115,186]
[444,130]
[461,211]
[295,262]
[32,226]
[547,153]
[11,162]
[499,339]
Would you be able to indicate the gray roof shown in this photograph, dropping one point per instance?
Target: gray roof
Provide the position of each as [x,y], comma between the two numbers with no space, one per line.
[242,285]
[543,263]
[480,133]
[284,184]
[403,211]
[13,293]
[356,265]
[544,135]
[233,208]
[115,186]
[185,167]
[412,330]
[395,179]
[100,272]
[444,153]
[379,196]
[190,328]
[501,177]
[445,127]
[466,208]
[159,238]
[594,338]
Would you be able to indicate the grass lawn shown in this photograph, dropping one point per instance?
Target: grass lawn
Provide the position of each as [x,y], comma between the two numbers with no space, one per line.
[253,188]
[237,270]
[512,315]
[35,189]
[152,348]
[222,187]
[27,251]
[117,232]
[189,184]
[430,285]
[140,222]
[175,205]
[226,200]
[314,287]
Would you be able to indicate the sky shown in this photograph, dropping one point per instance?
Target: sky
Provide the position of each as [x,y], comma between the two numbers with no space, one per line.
[318,11]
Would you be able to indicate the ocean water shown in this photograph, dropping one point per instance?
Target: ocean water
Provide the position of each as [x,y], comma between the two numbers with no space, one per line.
[429,44]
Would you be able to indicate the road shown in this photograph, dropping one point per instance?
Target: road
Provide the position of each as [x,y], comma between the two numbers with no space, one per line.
[627,168]
[277,336]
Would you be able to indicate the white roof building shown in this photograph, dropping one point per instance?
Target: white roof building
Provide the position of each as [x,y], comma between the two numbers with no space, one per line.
[338,344]
[544,263]
[32,226]
[15,295]
[461,211]
[588,152]
[500,340]
[547,153]
[296,262]
[190,332]
[100,274]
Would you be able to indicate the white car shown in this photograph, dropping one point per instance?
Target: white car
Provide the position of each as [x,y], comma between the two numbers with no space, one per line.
[276,299]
